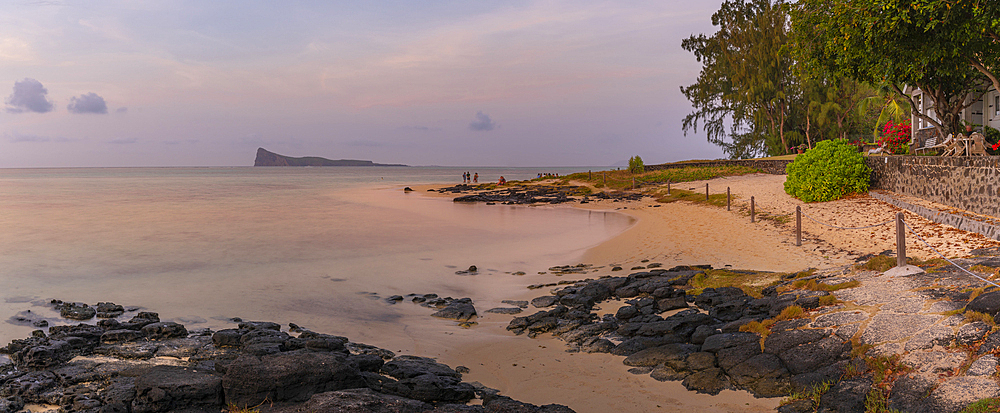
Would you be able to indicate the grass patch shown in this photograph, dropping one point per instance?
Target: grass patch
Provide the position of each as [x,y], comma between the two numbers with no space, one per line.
[813,394]
[877,401]
[827,300]
[232,408]
[974,292]
[778,219]
[718,200]
[983,406]
[985,269]
[973,316]
[751,283]
[956,311]
[879,263]
[931,265]
[858,349]
[790,312]
[622,179]
[813,285]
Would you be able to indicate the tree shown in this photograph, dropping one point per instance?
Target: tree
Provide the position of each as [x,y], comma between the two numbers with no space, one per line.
[934,45]
[745,79]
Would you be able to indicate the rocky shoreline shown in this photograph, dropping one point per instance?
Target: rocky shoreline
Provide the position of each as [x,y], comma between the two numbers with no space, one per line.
[147,365]
[522,194]
[840,340]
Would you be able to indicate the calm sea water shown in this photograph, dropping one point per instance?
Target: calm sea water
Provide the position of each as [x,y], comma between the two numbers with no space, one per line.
[314,246]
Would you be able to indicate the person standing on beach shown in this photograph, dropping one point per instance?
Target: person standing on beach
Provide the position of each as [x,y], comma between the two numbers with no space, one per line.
[475,178]
[465,178]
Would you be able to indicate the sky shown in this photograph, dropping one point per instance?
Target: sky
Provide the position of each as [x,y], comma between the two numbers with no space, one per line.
[451,83]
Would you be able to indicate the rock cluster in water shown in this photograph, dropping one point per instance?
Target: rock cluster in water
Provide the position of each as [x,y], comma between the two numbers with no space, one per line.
[532,194]
[147,365]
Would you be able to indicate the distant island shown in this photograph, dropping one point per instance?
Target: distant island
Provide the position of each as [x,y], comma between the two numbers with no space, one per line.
[268,158]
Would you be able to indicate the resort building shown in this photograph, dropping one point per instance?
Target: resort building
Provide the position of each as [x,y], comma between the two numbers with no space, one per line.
[985,111]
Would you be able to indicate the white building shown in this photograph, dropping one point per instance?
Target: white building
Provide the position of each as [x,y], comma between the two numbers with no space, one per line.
[985,111]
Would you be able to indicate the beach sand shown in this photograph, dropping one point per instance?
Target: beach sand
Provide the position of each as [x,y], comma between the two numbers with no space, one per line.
[540,371]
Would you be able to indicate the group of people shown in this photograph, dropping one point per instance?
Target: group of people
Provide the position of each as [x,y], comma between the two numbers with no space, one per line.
[474,178]
[548,175]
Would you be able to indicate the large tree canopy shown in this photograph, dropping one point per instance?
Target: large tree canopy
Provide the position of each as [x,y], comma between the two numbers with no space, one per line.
[947,48]
[746,77]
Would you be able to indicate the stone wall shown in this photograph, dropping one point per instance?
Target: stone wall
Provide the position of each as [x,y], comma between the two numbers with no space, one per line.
[966,182]
[770,166]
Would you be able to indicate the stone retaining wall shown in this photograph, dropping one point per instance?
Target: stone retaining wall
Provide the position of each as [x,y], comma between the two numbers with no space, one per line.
[966,182]
[770,166]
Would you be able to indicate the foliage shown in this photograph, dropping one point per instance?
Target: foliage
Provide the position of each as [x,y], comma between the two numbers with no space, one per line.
[745,80]
[992,137]
[691,196]
[813,394]
[943,48]
[790,312]
[623,179]
[895,135]
[814,285]
[983,406]
[891,107]
[635,165]
[830,171]
[973,316]
[751,283]
[880,263]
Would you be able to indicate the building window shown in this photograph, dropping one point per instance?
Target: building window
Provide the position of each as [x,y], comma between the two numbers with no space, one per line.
[996,105]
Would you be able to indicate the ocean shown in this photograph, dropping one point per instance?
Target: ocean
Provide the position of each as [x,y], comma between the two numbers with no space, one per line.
[319,247]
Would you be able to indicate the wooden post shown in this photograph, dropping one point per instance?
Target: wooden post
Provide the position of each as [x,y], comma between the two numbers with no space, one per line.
[706,191]
[752,217]
[728,199]
[900,241]
[590,175]
[798,226]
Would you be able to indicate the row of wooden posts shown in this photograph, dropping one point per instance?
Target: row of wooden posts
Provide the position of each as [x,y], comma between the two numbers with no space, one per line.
[900,226]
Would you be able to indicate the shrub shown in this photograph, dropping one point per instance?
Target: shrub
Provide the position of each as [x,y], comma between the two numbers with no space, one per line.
[992,140]
[833,169]
[895,136]
[635,165]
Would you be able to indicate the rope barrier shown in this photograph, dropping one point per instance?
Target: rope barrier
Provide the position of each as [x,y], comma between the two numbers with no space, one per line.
[834,226]
[889,221]
[946,258]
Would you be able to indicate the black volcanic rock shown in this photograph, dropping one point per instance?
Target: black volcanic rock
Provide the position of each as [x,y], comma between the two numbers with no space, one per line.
[267,158]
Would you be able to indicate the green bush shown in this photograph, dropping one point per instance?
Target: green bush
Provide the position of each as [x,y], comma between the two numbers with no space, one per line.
[833,169]
[635,165]
[992,136]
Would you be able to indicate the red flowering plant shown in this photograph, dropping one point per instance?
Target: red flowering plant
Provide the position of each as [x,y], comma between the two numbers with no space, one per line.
[895,135]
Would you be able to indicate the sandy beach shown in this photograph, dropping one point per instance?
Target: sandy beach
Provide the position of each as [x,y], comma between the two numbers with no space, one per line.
[514,246]
[540,371]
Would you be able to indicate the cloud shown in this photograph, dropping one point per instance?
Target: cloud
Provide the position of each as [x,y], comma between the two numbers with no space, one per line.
[28,96]
[87,103]
[17,137]
[121,110]
[482,122]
